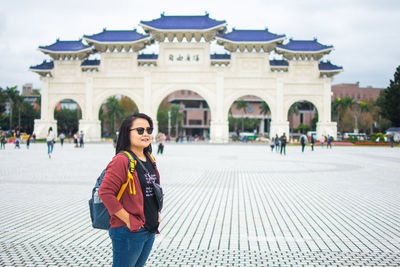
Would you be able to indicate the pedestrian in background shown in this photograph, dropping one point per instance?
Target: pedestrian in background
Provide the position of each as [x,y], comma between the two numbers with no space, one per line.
[303,141]
[277,143]
[391,139]
[161,142]
[17,139]
[62,137]
[28,141]
[50,139]
[329,142]
[81,139]
[312,142]
[3,140]
[272,144]
[75,139]
[283,140]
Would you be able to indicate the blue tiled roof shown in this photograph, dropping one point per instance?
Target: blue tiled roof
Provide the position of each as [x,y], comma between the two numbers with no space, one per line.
[220,56]
[116,36]
[44,65]
[66,46]
[304,45]
[147,56]
[250,36]
[328,66]
[277,62]
[91,62]
[183,22]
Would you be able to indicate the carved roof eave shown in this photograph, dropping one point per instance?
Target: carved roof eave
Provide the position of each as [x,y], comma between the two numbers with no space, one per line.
[80,54]
[134,45]
[160,34]
[42,73]
[330,73]
[289,54]
[232,46]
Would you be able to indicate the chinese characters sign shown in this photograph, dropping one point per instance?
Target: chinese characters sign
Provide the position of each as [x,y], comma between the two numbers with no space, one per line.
[181,57]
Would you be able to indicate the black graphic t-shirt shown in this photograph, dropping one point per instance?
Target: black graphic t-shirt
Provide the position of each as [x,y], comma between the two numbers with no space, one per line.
[149,199]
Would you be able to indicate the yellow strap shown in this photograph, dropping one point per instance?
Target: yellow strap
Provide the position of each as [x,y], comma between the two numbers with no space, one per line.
[151,156]
[130,180]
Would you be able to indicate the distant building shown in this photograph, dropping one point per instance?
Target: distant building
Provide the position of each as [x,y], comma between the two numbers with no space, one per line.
[31,95]
[354,90]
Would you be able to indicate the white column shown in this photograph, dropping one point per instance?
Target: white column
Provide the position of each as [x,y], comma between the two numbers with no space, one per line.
[279,123]
[262,126]
[46,120]
[219,128]
[89,124]
[44,102]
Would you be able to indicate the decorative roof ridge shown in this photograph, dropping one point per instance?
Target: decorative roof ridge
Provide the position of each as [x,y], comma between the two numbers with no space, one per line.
[44,65]
[61,42]
[327,65]
[185,22]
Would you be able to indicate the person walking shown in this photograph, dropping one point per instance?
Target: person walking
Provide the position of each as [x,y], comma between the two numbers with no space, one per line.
[283,140]
[161,142]
[62,137]
[329,142]
[303,142]
[136,218]
[391,140]
[17,139]
[81,139]
[75,139]
[3,141]
[312,142]
[277,143]
[50,139]
[272,144]
[28,141]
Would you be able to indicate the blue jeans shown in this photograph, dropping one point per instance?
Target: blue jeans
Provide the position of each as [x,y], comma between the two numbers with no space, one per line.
[130,248]
[50,146]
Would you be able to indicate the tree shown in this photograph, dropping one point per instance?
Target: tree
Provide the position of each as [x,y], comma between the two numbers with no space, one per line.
[264,108]
[12,94]
[176,116]
[242,105]
[162,116]
[339,108]
[389,100]
[114,111]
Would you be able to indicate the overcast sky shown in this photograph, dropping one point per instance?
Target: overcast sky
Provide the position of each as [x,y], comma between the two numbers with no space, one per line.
[365,33]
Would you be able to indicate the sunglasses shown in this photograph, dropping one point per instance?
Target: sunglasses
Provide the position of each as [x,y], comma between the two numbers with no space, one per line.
[140,130]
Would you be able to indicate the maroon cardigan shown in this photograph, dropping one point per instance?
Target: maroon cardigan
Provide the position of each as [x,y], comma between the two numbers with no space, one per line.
[116,175]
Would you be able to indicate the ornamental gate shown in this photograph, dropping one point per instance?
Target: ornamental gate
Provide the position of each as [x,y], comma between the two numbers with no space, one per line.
[184,62]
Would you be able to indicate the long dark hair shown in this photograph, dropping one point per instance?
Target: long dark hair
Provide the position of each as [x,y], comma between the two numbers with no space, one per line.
[124,141]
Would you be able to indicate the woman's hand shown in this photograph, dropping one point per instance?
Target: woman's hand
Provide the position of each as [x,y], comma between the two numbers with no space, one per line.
[159,217]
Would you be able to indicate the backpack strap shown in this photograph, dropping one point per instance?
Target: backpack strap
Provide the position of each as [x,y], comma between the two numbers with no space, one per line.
[130,181]
[152,159]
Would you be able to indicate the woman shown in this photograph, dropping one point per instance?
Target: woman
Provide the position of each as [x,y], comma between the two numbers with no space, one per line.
[50,141]
[135,218]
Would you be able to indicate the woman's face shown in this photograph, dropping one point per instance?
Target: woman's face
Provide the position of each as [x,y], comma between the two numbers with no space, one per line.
[140,141]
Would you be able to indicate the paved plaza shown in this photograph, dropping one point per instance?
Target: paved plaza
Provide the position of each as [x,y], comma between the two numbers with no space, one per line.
[225,205]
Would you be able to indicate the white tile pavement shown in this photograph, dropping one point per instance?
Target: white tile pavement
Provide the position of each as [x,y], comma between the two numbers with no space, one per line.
[225,205]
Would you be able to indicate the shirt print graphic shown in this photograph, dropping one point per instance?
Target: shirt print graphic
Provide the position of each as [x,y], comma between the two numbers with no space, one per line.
[150,178]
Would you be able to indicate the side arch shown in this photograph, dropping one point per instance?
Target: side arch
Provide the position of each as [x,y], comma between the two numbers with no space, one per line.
[56,99]
[230,99]
[160,94]
[99,100]
[315,100]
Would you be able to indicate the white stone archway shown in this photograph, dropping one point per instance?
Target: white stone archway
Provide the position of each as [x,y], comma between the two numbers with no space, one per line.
[220,79]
